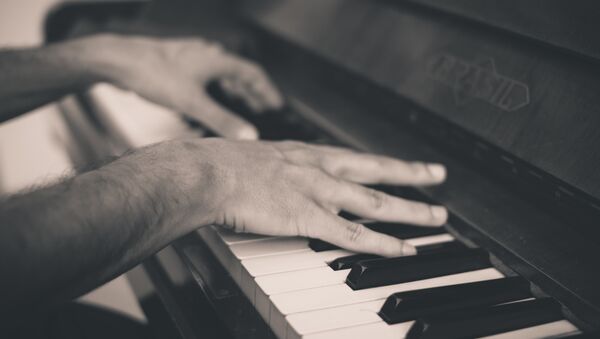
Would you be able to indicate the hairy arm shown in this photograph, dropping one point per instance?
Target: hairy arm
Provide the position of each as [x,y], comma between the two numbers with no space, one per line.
[60,241]
[171,72]
[35,76]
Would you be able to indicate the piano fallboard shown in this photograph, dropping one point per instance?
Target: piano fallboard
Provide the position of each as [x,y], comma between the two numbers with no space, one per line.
[354,69]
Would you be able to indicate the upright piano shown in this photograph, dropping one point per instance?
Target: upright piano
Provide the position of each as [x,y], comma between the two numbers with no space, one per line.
[505,93]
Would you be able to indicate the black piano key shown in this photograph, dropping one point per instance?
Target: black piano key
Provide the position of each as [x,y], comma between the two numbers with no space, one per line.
[346,262]
[410,305]
[402,231]
[388,271]
[484,321]
[281,124]
[442,247]
[319,245]
[348,216]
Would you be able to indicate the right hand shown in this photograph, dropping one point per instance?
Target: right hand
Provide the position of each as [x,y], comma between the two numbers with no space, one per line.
[296,189]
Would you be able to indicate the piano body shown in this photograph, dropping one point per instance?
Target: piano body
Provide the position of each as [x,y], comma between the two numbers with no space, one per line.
[504,93]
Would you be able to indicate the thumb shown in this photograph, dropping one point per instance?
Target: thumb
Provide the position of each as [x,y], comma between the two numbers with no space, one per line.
[220,120]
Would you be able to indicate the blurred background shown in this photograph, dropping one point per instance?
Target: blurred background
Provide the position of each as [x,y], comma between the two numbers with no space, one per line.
[30,146]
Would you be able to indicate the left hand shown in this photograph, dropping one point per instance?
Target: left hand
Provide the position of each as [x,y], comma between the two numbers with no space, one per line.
[175,72]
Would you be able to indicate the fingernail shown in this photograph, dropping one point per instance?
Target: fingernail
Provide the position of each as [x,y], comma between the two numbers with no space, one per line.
[437,171]
[246,133]
[439,213]
[276,100]
[408,249]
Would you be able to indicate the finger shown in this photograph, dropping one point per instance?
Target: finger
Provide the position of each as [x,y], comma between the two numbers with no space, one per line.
[373,204]
[377,169]
[254,78]
[234,87]
[358,238]
[220,120]
[228,86]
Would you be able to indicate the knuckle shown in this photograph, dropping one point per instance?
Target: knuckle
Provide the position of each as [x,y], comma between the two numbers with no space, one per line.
[330,164]
[340,171]
[354,232]
[377,199]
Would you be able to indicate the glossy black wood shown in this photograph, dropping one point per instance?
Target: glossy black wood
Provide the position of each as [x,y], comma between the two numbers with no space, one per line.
[565,25]
[484,321]
[442,247]
[452,69]
[282,124]
[229,304]
[389,271]
[405,306]
[402,231]
[324,81]
[347,262]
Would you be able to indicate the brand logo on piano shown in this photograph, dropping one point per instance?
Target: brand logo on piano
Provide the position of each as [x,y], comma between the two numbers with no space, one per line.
[478,80]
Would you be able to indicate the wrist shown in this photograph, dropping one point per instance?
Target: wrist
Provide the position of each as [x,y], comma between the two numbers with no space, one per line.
[199,184]
[101,57]
[179,178]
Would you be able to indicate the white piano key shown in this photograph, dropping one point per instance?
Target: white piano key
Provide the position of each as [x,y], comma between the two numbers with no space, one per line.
[382,330]
[291,262]
[300,324]
[282,282]
[344,316]
[550,330]
[135,120]
[293,281]
[262,255]
[340,295]
[230,237]
[267,285]
[376,331]
[251,268]
[269,246]
[230,256]
[300,280]
[432,239]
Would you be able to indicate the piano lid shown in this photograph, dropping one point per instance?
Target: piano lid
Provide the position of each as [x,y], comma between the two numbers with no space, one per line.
[536,103]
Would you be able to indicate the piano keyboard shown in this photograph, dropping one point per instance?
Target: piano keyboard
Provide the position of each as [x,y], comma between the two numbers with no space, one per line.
[311,289]
[299,295]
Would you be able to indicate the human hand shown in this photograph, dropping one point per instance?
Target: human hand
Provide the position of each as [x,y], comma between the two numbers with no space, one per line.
[175,73]
[292,188]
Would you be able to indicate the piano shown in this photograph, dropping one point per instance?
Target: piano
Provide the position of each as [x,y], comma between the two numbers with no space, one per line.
[504,93]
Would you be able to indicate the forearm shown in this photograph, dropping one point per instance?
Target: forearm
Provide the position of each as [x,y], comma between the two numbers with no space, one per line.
[36,76]
[63,240]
